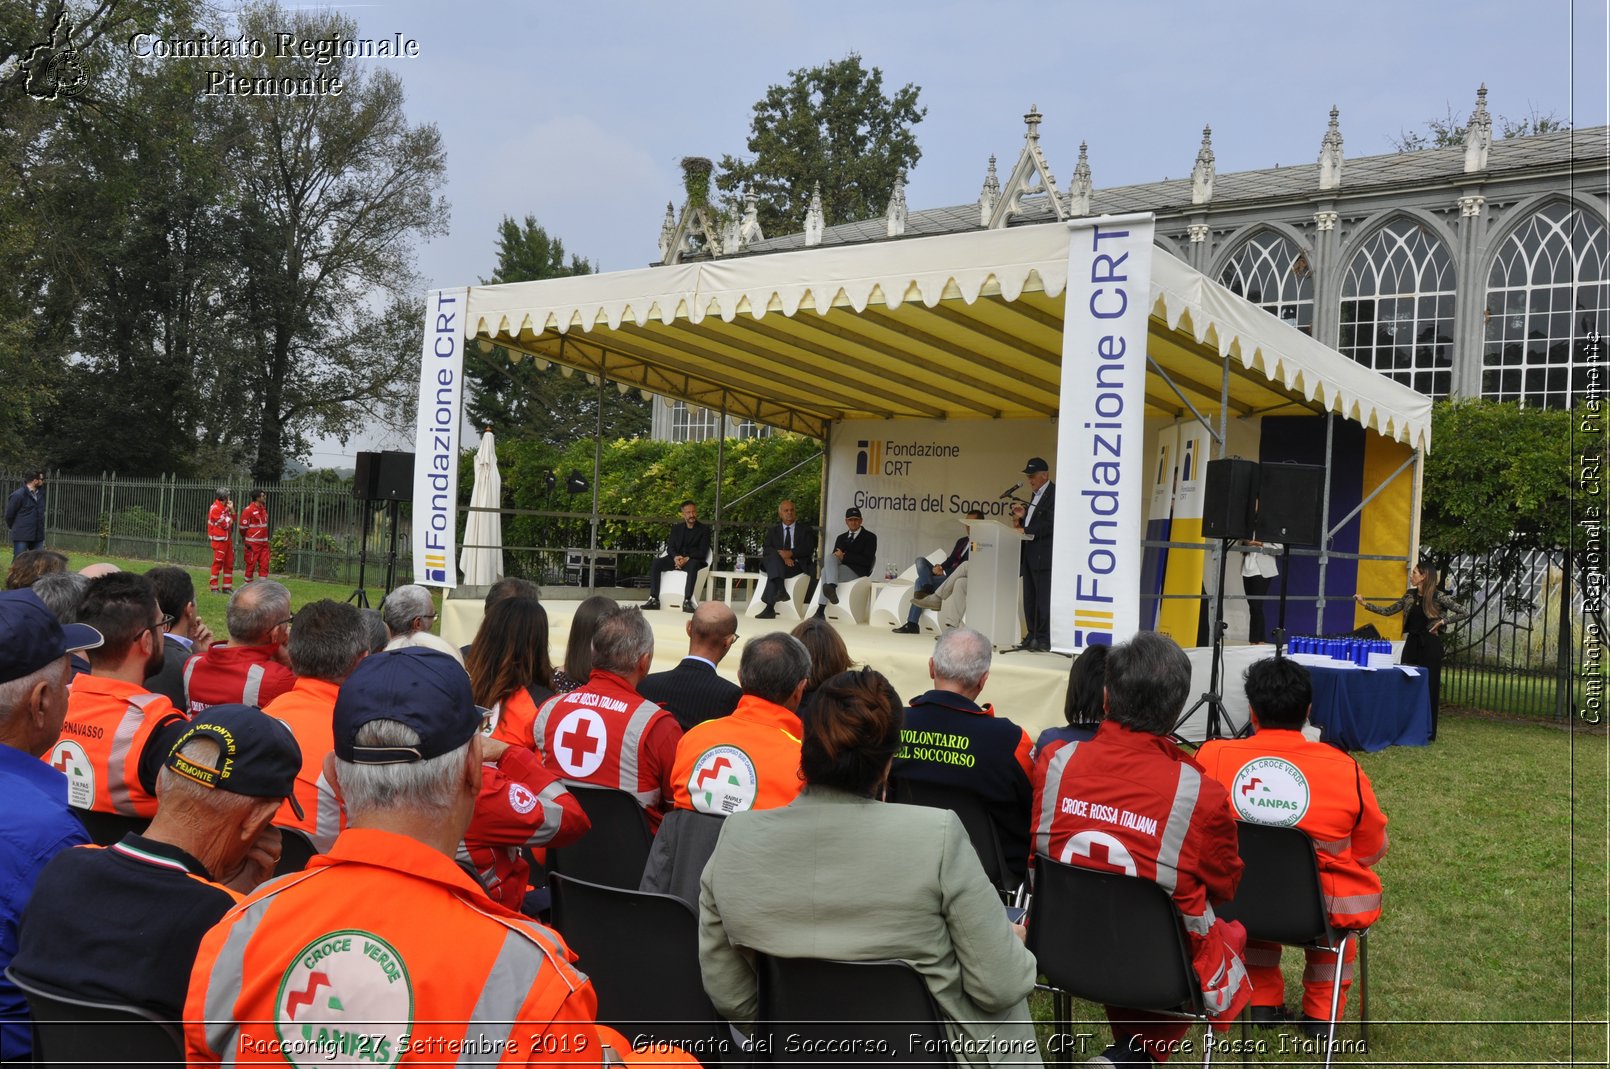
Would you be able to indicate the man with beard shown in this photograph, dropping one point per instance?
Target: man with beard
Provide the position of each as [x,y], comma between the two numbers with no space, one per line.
[117,733]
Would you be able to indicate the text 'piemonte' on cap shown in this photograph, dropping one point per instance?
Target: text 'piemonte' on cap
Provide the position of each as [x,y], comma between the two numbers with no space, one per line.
[422,689]
[257,754]
[31,637]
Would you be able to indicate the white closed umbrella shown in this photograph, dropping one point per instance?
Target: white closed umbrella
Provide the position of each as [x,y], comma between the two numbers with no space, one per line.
[481,560]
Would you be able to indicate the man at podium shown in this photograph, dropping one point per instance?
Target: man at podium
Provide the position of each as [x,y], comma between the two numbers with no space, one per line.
[1035,520]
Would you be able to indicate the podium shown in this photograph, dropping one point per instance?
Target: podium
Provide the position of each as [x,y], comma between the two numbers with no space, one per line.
[992,582]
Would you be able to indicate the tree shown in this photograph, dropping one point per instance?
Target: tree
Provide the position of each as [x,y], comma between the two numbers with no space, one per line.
[524,397]
[830,126]
[1449,131]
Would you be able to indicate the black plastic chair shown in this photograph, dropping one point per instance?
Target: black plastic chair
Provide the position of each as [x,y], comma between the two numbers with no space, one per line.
[614,851]
[1280,900]
[106,829]
[1113,939]
[815,1011]
[981,829]
[77,1032]
[641,951]
[296,849]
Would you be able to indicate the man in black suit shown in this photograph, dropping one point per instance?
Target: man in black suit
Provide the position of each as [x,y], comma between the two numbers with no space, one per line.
[176,596]
[687,550]
[692,691]
[1035,520]
[854,554]
[790,550]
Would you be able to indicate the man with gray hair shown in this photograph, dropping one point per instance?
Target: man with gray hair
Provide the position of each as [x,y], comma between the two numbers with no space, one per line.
[605,732]
[386,950]
[1131,801]
[949,740]
[253,668]
[63,594]
[408,609]
[749,760]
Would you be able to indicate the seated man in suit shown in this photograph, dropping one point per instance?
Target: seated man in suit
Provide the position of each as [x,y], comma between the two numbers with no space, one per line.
[854,553]
[790,549]
[687,550]
[692,691]
[935,582]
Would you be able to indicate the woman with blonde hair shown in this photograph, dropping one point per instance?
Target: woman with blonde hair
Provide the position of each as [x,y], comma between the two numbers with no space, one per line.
[1426,612]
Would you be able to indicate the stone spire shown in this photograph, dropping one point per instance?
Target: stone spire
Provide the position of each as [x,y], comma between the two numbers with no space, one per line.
[1202,173]
[1479,134]
[667,233]
[1031,177]
[989,194]
[1330,153]
[815,223]
[895,215]
[1079,189]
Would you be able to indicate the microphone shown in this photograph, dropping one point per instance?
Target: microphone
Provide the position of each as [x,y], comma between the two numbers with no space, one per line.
[1010,490]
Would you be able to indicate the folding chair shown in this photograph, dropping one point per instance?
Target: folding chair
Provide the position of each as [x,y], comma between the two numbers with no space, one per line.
[981,829]
[614,851]
[641,951]
[1109,938]
[815,1011]
[77,1032]
[1279,900]
[296,850]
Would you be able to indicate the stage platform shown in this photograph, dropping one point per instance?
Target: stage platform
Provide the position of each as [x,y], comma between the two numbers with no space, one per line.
[1028,688]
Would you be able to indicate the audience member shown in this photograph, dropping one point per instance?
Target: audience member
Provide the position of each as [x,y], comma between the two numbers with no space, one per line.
[511,586]
[579,645]
[122,924]
[31,564]
[434,951]
[521,807]
[942,586]
[838,874]
[829,657]
[1279,776]
[687,550]
[789,550]
[117,733]
[509,669]
[374,626]
[95,571]
[948,739]
[327,642]
[1131,800]
[407,609]
[854,554]
[428,641]
[749,760]
[605,732]
[187,635]
[1081,706]
[252,668]
[33,699]
[63,594]
[692,691]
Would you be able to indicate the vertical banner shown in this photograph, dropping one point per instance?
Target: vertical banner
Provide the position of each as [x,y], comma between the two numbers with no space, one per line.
[1178,617]
[436,437]
[1101,455]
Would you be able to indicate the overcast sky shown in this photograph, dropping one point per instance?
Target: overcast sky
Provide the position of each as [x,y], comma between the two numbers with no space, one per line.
[577,113]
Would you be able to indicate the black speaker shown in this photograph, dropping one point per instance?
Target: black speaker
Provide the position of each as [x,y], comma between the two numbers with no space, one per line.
[1230,498]
[387,476]
[1291,503]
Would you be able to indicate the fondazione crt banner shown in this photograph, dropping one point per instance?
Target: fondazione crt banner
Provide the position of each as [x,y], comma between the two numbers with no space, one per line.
[1100,502]
[436,437]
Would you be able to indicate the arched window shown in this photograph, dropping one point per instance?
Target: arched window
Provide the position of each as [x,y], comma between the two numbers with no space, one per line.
[1548,300]
[1273,273]
[1397,307]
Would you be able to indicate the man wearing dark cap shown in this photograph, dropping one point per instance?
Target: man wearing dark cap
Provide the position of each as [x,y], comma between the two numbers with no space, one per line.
[854,554]
[385,947]
[122,924]
[1035,521]
[34,670]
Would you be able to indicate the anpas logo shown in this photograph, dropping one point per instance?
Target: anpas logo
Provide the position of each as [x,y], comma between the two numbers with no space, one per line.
[869,458]
[1270,791]
[69,758]
[345,999]
[723,781]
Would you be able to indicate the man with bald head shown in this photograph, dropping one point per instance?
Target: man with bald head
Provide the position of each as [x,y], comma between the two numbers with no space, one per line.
[692,691]
[253,669]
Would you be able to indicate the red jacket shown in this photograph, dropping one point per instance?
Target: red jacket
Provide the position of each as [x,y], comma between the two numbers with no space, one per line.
[521,804]
[235,675]
[604,732]
[1132,802]
[254,523]
[220,521]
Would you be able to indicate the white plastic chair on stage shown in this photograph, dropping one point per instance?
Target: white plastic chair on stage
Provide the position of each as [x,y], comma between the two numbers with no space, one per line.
[674,586]
[855,601]
[792,601]
[894,600]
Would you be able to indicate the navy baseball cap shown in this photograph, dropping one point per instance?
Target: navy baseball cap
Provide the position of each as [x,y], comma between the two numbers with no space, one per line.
[1035,464]
[257,754]
[31,637]
[852,513]
[420,688]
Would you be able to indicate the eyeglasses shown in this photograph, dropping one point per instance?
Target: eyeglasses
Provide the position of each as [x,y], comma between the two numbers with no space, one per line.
[166,621]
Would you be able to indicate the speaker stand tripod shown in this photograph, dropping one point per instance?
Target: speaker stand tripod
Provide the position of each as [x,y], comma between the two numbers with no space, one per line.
[1213,698]
[360,596]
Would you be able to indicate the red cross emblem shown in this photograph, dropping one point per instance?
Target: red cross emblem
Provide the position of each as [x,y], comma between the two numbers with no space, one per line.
[579,742]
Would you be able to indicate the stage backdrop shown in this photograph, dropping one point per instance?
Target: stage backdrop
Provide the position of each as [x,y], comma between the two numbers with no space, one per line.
[913,479]
[436,437]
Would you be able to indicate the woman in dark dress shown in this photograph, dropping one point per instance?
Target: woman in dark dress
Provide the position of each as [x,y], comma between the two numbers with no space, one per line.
[1426,612]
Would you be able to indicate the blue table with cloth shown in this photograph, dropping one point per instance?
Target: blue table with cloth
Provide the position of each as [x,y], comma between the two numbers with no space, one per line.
[1371,709]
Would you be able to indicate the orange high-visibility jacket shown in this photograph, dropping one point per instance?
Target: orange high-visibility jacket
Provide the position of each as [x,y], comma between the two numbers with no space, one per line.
[308,709]
[105,733]
[385,951]
[1282,777]
[220,521]
[254,523]
[747,760]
